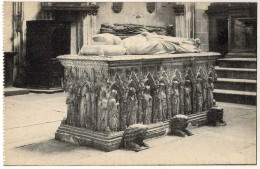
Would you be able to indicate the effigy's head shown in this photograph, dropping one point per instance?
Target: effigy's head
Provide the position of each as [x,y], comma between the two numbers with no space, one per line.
[179,122]
[135,133]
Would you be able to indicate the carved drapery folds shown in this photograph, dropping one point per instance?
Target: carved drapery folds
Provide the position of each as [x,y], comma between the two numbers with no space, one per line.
[110,101]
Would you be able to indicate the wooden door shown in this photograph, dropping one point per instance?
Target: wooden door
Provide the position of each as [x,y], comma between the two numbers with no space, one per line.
[45,41]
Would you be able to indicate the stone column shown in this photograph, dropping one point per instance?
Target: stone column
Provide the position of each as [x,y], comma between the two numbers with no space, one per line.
[89,28]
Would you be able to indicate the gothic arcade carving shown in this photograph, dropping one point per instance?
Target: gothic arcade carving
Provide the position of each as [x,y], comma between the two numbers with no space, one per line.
[111,100]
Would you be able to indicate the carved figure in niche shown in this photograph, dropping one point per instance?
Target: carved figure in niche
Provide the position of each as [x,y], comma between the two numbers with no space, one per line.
[113,107]
[139,94]
[88,111]
[210,92]
[181,89]
[175,98]
[199,94]
[121,93]
[147,105]
[178,125]
[70,101]
[132,106]
[76,96]
[187,97]
[167,90]
[133,137]
[83,105]
[204,89]
[162,102]
[93,124]
[156,103]
[102,111]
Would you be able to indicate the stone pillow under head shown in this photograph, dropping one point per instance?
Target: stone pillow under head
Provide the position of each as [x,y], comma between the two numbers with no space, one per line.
[106,39]
[102,50]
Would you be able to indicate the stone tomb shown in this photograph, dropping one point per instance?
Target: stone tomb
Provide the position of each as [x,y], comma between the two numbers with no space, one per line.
[108,94]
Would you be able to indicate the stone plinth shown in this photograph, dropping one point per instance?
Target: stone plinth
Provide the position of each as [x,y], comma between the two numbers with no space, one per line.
[108,94]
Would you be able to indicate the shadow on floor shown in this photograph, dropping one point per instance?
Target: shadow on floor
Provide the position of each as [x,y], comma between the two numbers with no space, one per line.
[54,146]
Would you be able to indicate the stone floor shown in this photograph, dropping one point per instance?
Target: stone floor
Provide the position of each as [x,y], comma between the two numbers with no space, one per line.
[31,121]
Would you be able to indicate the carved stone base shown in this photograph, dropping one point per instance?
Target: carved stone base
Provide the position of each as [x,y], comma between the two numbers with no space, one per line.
[198,119]
[103,141]
[76,135]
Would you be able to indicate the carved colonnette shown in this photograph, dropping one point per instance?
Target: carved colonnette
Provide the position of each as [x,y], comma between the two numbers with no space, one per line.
[108,94]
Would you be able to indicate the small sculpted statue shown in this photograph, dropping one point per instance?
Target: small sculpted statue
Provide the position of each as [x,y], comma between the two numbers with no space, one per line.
[93,125]
[133,137]
[147,105]
[178,125]
[155,106]
[124,114]
[199,94]
[210,92]
[140,109]
[77,96]
[204,88]
[132,106]
[163,103]
[187,98]
[181,92]
[83,105]
[102,111]
[175,98]
[88,118]
[113,107]
[70,101]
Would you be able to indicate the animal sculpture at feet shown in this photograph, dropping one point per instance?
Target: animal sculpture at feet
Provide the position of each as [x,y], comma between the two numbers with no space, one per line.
[133,137]
[178,125]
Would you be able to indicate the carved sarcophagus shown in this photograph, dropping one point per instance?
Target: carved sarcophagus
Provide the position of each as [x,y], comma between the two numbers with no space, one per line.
[108,94]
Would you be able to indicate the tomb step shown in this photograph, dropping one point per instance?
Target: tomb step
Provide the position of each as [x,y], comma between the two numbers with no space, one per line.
[240,55]
[234,96]
[47,91]
[236,73]
[238,63]
[236,84]
[13,91]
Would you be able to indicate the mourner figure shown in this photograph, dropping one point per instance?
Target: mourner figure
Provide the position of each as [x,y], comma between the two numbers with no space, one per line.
[210,92]
[187,98]
[113,113]
[70,101]
[102,111]
[175,98]
[147,105]
[83,105]
[132,106]
[204,89]
[199,97]
[163,102]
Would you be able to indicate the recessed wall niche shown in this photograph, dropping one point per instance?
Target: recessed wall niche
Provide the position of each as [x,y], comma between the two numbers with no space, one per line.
[150,6]
[117,7]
